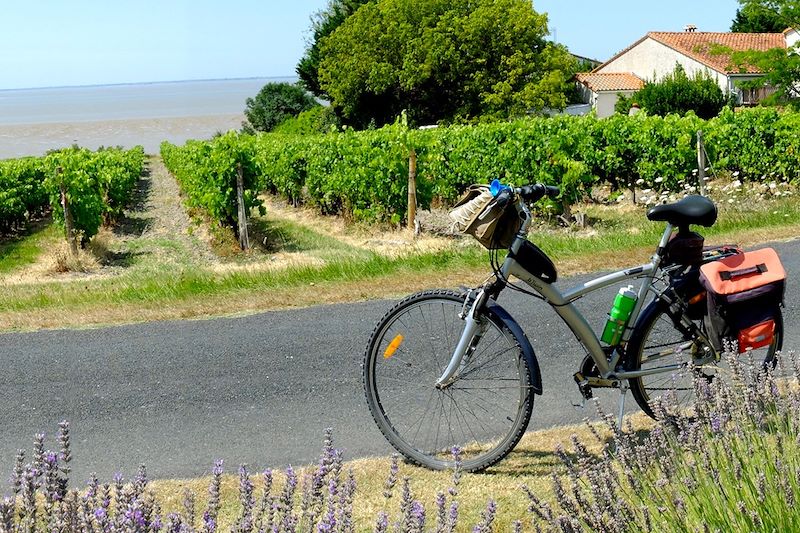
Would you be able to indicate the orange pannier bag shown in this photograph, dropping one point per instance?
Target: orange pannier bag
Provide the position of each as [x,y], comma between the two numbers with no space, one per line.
[745,292]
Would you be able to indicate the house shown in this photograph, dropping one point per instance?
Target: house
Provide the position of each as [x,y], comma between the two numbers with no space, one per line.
[600,89]
[656,54]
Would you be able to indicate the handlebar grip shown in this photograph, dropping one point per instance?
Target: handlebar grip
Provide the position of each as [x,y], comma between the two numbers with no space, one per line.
[552,191]
[503,197]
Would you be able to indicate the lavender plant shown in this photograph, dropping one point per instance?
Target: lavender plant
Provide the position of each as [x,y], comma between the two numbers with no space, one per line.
[729,464]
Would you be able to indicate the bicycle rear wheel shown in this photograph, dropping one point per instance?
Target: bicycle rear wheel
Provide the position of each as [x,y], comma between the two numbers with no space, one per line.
[484,412]
[656,342]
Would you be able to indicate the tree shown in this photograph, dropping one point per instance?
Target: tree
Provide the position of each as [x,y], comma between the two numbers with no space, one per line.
[322,25]
[786,12]
[273,104]
[441,61]
[781,66]
[677,93]
[757,20]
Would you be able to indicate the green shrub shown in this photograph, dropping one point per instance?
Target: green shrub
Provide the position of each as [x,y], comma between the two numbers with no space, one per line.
[677,93]
[318,119]
[273,104]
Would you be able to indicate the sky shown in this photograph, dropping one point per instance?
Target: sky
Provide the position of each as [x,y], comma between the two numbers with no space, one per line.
[48,43]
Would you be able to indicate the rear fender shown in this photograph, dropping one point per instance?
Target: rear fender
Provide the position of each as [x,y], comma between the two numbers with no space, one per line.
[525,344]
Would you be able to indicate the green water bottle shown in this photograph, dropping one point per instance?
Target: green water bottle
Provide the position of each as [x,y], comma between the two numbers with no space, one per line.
[624,303]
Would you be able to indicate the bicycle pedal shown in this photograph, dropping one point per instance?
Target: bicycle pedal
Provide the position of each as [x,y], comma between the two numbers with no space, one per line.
[583,386]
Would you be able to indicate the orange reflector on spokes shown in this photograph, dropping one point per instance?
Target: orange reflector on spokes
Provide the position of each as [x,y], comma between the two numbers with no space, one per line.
[393,346]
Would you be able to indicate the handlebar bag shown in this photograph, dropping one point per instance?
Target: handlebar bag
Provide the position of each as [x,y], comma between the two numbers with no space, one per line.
[477,213]
[745,292]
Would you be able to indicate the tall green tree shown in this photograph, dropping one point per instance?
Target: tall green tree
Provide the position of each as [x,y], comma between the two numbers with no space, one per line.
[323,24]
[786,12]
[441,60]
[757,19]
[275,103]
[781,66]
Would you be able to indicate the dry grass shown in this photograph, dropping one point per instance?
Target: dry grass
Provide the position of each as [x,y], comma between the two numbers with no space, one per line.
[62,260]
[316,293]
[531,463]
[240,303]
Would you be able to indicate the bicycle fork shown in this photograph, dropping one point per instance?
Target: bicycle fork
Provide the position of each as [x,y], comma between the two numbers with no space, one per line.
[473,330]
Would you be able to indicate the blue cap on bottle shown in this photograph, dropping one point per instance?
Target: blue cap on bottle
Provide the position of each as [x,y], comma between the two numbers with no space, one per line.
[495,187]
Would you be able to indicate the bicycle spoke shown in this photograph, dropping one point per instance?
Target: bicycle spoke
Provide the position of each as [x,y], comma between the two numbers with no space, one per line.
[480,411]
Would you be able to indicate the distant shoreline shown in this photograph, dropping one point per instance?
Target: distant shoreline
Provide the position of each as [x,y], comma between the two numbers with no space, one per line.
[140,83]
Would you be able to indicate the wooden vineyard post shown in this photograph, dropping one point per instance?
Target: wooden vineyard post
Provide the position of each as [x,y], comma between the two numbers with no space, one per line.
[244,241]
[68,225]
[701,163]
[412,190]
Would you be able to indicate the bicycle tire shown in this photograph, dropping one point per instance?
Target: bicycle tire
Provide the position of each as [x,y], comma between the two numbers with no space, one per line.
[402,397]
[656,330]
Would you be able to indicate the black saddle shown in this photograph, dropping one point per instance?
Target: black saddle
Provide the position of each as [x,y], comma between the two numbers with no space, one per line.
[691,210]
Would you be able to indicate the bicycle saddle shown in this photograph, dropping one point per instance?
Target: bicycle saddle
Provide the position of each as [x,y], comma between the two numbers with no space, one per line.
[691,210]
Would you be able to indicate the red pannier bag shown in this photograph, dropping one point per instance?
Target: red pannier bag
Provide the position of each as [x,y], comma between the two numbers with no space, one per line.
[745,292]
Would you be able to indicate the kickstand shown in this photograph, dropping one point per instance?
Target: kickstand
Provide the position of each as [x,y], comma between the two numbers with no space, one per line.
[623,390]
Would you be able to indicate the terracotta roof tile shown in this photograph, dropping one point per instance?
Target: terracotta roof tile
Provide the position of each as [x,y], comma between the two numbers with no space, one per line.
[701,46]
[610,81]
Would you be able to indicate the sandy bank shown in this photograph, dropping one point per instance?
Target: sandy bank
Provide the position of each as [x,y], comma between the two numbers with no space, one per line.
[35,139]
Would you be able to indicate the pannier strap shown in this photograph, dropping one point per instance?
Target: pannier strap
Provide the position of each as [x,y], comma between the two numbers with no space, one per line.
[729,275]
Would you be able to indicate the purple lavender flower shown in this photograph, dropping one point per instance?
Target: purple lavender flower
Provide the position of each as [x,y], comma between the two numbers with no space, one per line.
[63,439]
[456,453]
[189,506]
[485,525]
[382,523]
[452,517]
[7,506]
[246,499]
[441,511]
[38,453]
[19,469]
[392,479]
[212,510]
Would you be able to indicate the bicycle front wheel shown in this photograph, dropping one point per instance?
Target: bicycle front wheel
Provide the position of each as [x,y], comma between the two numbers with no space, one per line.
[483,412]
[656,342]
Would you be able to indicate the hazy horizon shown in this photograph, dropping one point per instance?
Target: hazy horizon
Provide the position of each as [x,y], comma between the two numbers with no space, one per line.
[151,82]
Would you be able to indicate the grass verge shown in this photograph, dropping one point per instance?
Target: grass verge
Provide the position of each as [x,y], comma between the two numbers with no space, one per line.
[532,463]
[21,251]
[333,271]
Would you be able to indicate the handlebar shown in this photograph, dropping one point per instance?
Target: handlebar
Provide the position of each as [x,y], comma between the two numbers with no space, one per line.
[529,193]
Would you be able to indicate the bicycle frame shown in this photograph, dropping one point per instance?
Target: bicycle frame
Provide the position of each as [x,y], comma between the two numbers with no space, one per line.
[562,303]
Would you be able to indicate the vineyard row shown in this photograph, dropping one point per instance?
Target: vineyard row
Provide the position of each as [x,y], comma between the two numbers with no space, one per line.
[95,185]
[364,175]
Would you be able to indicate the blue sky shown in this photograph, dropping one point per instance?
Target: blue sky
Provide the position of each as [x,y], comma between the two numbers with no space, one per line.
[83,42]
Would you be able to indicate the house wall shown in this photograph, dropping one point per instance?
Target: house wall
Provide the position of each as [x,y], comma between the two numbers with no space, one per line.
[652,60]
[792,38]
[586,94]
[605,102]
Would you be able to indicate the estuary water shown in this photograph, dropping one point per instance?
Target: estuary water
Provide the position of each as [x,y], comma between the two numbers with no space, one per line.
[33,121]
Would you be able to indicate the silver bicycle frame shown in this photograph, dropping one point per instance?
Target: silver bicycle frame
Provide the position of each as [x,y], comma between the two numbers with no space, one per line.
[562,303]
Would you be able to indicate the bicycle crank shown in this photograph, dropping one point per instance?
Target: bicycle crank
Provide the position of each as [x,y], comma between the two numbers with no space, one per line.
[589,378]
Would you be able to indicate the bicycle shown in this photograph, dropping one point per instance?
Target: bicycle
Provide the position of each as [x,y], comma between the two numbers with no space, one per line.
[446,368]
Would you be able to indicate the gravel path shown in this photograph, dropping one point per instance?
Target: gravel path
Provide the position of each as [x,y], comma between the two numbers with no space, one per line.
[156,224]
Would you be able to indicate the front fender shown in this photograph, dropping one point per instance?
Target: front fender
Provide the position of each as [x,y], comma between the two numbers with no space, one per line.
[524,343]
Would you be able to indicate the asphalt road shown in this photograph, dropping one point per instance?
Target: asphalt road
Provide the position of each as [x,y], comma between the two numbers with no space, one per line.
[258,389]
